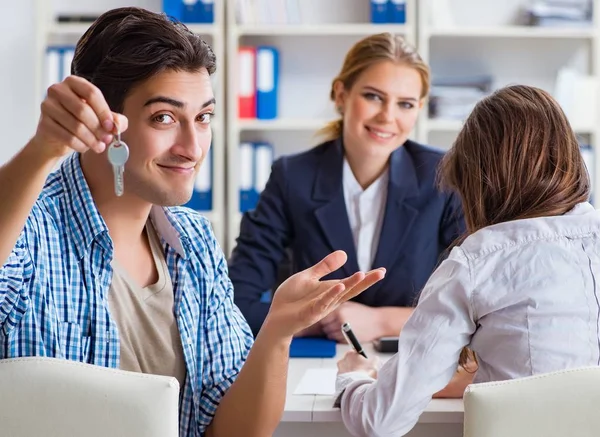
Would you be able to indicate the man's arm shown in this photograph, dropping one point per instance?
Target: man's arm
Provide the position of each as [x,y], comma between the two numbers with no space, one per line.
[58,133]
[254,403]
[21,181]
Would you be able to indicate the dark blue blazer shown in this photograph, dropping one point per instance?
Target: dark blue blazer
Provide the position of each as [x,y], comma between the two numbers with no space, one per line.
[302,210]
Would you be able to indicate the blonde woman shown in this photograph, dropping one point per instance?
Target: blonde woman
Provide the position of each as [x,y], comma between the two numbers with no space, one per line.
[367,189]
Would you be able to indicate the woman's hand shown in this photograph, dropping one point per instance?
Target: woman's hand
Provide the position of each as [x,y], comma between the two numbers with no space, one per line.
[353,362]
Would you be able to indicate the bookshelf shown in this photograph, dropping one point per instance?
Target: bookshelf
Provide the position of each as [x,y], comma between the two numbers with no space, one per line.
[49,33]
[476,37]
[311,53]
[487,37]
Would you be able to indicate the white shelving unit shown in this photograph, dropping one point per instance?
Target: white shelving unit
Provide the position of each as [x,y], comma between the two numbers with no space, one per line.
[50,32]
[310,56]
[487,38]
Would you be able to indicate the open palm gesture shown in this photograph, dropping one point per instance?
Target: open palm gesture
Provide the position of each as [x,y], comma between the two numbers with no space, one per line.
[303,299]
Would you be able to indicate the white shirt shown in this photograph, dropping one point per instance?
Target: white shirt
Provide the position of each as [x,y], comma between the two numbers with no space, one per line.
[522,294]
[365,214]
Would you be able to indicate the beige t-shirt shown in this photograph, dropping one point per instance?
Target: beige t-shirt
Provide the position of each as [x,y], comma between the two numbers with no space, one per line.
[149,337]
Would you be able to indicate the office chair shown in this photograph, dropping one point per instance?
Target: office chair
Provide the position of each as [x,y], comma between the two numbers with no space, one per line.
[53,397]
[557,404]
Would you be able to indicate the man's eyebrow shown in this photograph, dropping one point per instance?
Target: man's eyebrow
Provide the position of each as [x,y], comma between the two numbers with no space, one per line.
[174,102]
[167,100]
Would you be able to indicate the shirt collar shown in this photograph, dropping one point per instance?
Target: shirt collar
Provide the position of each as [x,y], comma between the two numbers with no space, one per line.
[353,187]
[86,224]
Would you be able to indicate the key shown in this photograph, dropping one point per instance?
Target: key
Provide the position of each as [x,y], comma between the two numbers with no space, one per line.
[118,154]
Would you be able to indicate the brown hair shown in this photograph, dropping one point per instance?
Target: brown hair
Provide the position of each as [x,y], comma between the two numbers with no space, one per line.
[516,157]
[126,46]
[367,52]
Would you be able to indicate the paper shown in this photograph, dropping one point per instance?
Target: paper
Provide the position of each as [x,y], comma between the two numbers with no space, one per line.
[317,382]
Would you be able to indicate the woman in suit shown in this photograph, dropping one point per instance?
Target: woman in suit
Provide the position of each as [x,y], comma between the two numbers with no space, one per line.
[367,189]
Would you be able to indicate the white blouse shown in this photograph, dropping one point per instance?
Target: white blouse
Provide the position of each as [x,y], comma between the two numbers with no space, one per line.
[522,294]
[365,213]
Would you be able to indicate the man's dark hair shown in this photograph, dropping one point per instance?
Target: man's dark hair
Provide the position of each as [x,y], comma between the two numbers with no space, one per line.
[126,46]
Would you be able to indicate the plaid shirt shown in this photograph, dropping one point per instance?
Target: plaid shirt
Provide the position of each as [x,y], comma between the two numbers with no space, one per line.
[54,286]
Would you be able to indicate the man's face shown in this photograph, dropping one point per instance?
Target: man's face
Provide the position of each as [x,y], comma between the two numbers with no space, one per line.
[168,136]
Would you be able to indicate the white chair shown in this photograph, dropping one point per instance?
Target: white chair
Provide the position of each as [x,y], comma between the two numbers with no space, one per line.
[558,404]
[58,398]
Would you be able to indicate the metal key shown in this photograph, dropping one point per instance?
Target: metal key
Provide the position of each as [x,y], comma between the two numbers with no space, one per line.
[118,154]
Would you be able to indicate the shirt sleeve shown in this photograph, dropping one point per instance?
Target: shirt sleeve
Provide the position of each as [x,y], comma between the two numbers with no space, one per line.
[227,341]
[428,350]
[15,277]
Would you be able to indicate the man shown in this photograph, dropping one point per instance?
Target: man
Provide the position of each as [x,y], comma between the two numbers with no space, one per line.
[129,281]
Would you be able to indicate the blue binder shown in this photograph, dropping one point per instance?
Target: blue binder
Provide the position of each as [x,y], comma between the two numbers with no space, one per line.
[198,11]
[312,347]
[173,8]
[379,11]
[202,199]
[247,166]
[267,82]
[263,161]
[397,11]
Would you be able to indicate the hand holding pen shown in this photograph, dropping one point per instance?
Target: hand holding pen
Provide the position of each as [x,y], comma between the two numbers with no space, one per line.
[357,361]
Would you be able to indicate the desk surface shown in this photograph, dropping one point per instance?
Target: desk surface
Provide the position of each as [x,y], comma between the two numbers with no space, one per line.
[318,408]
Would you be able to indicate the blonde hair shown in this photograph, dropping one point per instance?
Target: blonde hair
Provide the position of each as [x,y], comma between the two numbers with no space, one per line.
[367,52]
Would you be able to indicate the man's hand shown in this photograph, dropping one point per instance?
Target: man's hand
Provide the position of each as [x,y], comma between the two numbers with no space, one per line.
[303,299]
[75,116]
[365,321]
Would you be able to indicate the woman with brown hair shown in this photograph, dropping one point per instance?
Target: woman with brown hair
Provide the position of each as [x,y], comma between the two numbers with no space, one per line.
[367,189]
[519,290]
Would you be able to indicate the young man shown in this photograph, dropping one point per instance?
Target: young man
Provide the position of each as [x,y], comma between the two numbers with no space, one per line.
[130,281]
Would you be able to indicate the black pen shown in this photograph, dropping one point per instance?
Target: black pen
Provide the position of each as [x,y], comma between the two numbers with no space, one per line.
[347,331]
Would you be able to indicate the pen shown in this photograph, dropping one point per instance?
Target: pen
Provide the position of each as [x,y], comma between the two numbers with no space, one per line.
[349,334]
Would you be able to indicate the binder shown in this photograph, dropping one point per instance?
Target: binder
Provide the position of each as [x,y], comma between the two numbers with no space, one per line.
[201,199]
[67,59]
[379,11]
[267,82]
[247,82]
[173,8]
[53,66]
[312,347]
[397,11]
[263,160]
[246,174]
[198,11]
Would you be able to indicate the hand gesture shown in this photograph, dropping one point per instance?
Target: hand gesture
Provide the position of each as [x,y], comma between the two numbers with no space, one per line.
[303,299]
[75,116]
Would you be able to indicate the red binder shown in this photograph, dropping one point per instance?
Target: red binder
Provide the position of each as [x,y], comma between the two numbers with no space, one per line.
[247,82]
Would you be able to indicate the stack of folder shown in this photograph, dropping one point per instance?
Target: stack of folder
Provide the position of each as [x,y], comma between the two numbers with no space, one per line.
[255,161]
[258,82]
[58,63]
[190,11]
[388,11]
[202,197]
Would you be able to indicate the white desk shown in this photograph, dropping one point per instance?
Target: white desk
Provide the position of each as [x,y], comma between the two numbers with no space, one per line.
[314,415]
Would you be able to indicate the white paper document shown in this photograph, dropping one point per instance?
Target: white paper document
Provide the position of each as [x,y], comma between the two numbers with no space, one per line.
[317,382]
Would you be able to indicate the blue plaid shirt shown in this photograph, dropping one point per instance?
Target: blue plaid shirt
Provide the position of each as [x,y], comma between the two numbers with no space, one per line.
[54,287]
